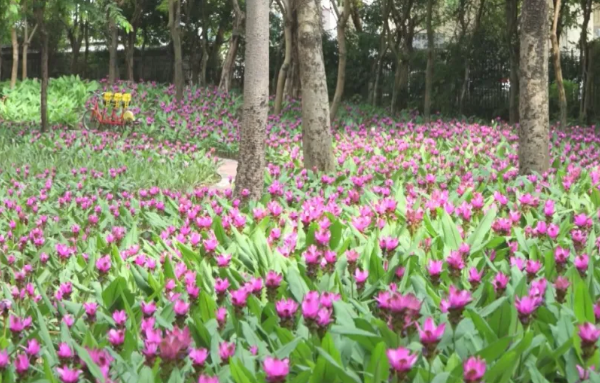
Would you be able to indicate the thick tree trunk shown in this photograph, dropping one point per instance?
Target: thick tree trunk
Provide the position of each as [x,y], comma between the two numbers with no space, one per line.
[512,38]
[229,64]
[15,57]
[287,60]
[342,53]
[112,51]
[251,166]
[292,84]
[429,69]
[130,56]
[316,131]
[534,127]
[175,27]
[562,97]
[586,6]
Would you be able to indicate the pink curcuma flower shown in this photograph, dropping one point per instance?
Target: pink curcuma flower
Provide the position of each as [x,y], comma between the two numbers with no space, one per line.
[4,359]
[64,351]
[33,347]
[68,375]
[581,263]
[226,351]
[526,306]
[103,264]
[475,276]
[360,276]
[276,370]
[589,334]
[17,324]
[175,344]
[474,370]
[500,281]
[116,337]
[310,305]
[208,379]
[286,308]
[584,373]
[21,364]
[181,308]
[273,280]
[198,356]
[148,309]
[430,334]
[434,268]
[401,360]
[120,317]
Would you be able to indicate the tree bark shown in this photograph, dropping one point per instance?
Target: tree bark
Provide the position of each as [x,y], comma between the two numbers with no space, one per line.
[534,127]
[229,64]
[86,52]
[383,47]
[253,134]
[175,27]
[470,49]
[342,56]
[356,16]
[27,37]
[112,50]
[562,97]
[586,6]
[429,69]
[512,37]
[214,59]
[15,57]
[130,56]
[316,131]
[44,88]
[143,55]
[284,5]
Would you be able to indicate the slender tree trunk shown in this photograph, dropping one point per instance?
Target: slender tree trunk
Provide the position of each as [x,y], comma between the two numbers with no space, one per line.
[25,50]
[204,61]
[253,133]
[534,127]
[316,131]
[229,64]
[175,26]
[86,52]
[472,41]
[44,88]
[356,16]
[397,87]
[562,97]
[15,56]
[429,69]
[214,59]
[143,55]
[112,51]
[342,53]
[287,60]
[76,47]
[512,37]
[589,84]
[586,6]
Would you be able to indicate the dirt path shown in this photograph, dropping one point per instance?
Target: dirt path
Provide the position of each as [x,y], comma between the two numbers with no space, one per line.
[227,170]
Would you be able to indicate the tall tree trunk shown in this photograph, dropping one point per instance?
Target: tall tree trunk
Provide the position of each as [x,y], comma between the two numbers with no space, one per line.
[130,56]
[512,38]
[229,64]
[251,166]
[284,5]
[470,50]
[25,49]
[586,6]
[534,154]
[356,16]
[214,59]
[175,26]
[316,131]
[397,87]
[112,50]
[342,56]
[383,47]
[429,69]
[75,57]
[589,84]
[86,52]
[44,89]
[204,61]
[15,57]
[562,97]
[292,84]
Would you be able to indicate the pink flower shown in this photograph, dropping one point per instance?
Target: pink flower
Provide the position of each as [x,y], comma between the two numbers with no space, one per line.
[208,379]
[430,333]
[226,351]
[221,285]
[276,370]
[589,334]
[103,264]
[175,344]
[120,318]
[4,359]
[526,306]
[33,347]
[21,364]
[181,307]
[310,305]
[286,308]
[223,260]
[198,356]
[116,337]
[475,276]
[273,280]
[474,369]
[148,309]
[549,208]
[17,324]
[434,268]
[500,282]
[581,263]
[64,351]
[401,360]
[67,375]
[457,299]
[584,373]
[239,297]
[360,276]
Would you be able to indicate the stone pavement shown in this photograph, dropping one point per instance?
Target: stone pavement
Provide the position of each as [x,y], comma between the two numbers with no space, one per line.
[227,171]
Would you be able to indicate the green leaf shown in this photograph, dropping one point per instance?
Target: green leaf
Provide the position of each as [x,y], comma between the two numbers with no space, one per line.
[45,335]
[451,235]
[91,366]
[582,301]
[378,369]
[239,373]
[476,239]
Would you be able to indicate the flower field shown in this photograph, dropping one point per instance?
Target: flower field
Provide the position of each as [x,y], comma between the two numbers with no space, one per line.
[424,258]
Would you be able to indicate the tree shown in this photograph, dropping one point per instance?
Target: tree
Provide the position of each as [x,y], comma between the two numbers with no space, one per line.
[316,131]
[40,16]
[512,38]
[534,154]
[562,97]
[27,37]
[15,44]
[429,70]
[342,54]
[175,27]
[253,133]
[287,14]
[584,51]
[236,36]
